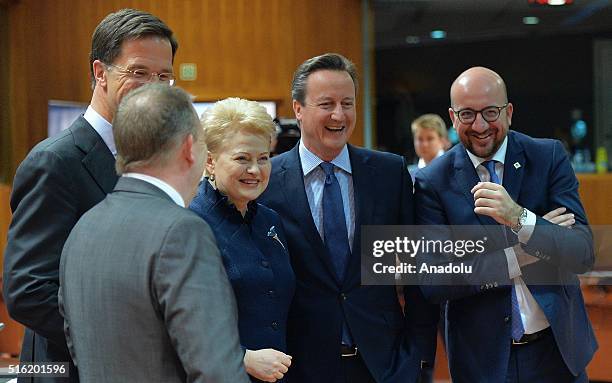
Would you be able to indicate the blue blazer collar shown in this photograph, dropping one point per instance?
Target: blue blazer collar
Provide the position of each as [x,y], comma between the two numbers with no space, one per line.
[514,165]
[292,178]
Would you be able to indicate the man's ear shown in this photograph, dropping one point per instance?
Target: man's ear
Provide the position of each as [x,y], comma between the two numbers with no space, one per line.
[452,115]
[187,153]
[100,73]
[297,110]
[509,110]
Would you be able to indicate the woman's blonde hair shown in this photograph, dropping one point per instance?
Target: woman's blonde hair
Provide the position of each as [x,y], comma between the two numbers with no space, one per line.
[233,115]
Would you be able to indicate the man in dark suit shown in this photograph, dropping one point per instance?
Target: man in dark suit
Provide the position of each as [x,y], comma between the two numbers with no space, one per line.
[325,190]
[143,289]
[65,175]
[526,322]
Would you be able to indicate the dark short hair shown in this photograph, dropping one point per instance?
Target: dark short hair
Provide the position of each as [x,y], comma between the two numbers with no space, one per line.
[151,121]
[327,61]
[126,24]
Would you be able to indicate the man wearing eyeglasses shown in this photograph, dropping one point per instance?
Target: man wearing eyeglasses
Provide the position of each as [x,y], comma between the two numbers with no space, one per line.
[65,175]
[527,323]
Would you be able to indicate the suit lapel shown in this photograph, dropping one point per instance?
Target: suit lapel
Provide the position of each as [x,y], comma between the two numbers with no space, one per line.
[292,178]
[98,159]
[365,205]
[513,167]
[467,178]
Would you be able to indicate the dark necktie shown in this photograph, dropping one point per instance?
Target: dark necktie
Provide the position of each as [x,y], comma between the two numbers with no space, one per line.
[335,235]
[517,324]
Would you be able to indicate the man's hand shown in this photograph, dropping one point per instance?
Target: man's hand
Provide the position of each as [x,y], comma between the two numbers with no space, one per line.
[267,364]
[493,200]
[558,218]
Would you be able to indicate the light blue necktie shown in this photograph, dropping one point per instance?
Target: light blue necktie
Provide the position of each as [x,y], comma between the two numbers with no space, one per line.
[517,324]
[335,234]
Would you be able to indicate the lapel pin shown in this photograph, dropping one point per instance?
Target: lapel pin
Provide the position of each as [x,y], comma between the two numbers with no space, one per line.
[517,165]
[272,234]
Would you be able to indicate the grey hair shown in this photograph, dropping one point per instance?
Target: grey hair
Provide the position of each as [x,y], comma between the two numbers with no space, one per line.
[150,123]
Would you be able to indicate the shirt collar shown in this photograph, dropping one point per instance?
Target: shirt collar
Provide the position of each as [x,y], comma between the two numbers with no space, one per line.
[499,156]
[102,127]
[165,187]
[311,161]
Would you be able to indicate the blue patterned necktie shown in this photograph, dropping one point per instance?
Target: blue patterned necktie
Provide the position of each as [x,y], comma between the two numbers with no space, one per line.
[335,234]
[517,324]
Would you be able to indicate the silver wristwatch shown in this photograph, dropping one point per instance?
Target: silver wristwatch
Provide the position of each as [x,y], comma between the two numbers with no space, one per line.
[519,222]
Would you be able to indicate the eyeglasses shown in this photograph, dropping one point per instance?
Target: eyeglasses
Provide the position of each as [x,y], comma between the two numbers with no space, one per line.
[143,75]
[489,114]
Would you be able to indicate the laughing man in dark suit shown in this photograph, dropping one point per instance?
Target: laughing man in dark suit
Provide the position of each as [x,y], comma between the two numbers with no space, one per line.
[325,190]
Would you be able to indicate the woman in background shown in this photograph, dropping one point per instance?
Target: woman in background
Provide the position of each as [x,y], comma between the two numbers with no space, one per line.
[249,235]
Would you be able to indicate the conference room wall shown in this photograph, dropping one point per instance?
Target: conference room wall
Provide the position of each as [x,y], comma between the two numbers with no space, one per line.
[244,48]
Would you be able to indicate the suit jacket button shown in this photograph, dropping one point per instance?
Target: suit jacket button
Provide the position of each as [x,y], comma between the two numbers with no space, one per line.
[507,319]
[275,325]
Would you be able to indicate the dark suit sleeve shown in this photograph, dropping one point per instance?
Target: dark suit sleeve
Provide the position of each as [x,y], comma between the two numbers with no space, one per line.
[490,270]
[44,211]
[197,303]
[570,249]
[421,316]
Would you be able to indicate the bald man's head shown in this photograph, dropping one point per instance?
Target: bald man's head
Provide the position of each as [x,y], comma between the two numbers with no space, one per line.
[479,76]
[476,91]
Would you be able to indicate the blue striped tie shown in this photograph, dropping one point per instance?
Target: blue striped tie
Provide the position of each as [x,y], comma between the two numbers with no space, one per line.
[517,324]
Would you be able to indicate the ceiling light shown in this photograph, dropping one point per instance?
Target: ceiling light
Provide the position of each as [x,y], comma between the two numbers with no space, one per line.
[438,34]
[531,20]
[550,2]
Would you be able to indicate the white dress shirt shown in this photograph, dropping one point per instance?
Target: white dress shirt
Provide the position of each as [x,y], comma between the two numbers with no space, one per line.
[165,187]
[532,316]
[102,127]
[314,183]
